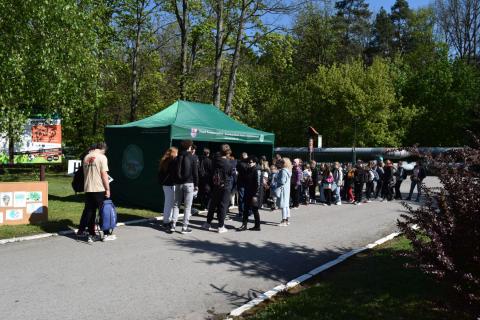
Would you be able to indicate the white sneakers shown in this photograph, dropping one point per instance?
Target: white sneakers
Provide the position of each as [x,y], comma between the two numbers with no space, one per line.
[109,237]
[339,203]
[222,230]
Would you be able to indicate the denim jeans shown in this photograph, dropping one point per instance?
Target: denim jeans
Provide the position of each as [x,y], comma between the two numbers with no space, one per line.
[169,192]
[414,184]
[183,193]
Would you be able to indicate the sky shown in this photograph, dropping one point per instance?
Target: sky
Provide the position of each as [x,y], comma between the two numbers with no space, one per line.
[375,5]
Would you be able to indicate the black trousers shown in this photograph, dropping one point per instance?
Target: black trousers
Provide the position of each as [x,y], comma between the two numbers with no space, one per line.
[256,215]
[219,202]
[204,191]
[358,191]
[328,196]
[93,202]
[311,190]
[387,192]
[295,195]
[398,194]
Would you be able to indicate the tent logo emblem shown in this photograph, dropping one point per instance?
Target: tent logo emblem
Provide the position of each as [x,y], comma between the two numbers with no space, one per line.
[194,132]
[132,161]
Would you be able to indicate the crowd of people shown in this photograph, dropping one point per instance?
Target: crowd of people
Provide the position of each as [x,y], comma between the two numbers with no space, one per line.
[219,182]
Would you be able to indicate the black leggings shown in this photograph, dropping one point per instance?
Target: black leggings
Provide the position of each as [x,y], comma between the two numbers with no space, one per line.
[328,196]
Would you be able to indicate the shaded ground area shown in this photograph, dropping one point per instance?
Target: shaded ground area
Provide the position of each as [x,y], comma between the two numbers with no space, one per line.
[378,284]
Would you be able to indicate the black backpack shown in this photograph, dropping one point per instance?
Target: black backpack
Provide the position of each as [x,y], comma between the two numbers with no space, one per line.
[218,179]
[78,182]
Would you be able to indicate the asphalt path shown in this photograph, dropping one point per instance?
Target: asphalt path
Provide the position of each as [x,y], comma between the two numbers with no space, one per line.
[149,274]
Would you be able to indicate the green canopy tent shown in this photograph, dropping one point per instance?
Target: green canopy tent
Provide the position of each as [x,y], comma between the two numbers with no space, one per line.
[134,149]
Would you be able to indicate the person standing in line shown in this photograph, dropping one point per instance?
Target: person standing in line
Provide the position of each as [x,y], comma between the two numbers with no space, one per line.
[417,178]
[186,184]
[327,184]
[222,185]
[349,183]
[265,190]
[388,182]
[400,175]
[242,166]
[296,181]
[205,175]
[369,189]
[282,190]
[338,180]
[233,191]
[380,174]
[166,174]
[272,183]
[253,186]
[97,189]
[306,183]
[359,182]
[313,187]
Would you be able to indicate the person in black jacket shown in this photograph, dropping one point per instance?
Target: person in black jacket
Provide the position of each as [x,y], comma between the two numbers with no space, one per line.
[242,167]
[253,186]
[221,187]
[165,179]
[205,177]
[388,182]
[400,175]
[186,184]
[417,177]
[359,181]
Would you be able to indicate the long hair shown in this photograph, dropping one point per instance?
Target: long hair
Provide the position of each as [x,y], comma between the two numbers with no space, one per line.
[169,155]
[287,164]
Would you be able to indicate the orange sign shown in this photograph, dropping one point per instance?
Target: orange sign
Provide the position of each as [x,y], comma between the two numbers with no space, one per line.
[47,133]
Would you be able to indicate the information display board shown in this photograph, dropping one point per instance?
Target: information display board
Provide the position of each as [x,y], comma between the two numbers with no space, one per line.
[23,202]
[41,143]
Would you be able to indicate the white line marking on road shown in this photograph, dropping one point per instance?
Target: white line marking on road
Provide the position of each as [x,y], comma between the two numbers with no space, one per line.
[295,282]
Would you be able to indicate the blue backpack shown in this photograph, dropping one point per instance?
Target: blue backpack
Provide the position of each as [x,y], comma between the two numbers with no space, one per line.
[108,215]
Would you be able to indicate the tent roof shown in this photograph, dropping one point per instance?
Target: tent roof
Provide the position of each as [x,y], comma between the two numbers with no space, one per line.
[192,115]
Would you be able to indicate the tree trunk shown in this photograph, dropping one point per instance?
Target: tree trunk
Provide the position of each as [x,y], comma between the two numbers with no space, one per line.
[236,61]
[219,42]
[182,19]
[136,50]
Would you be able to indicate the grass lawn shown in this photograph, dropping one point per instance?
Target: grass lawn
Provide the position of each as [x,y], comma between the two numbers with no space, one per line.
[375,284]
[65,208]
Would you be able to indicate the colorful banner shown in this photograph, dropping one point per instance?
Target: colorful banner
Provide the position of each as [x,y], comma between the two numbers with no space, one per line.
[41,143]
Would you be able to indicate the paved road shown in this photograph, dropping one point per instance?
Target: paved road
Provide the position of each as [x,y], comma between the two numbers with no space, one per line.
[148,274]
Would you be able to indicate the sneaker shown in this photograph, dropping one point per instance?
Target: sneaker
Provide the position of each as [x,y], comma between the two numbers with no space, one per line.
[186,230]
[227,218]
[166,226]
[109,237]
[282,224]
[172,226]
[90,239]
[82,234]
[222,230]
[287,222]
[338,203]
[368,201]
[257,228]
[206,226]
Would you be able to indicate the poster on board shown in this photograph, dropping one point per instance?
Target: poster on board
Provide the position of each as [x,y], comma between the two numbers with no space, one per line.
[1,217]
[6,199]
[14,214]
[40,143]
